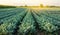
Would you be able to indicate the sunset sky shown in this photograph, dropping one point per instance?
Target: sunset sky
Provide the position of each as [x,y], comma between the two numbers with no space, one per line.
[30,2]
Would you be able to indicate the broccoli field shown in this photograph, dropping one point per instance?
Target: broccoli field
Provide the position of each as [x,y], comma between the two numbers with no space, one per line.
[26,21]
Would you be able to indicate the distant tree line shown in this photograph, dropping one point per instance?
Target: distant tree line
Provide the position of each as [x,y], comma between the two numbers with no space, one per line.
[54,6]
[5,6]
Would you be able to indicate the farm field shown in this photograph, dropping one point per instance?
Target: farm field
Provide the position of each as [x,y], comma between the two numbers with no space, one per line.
[27,21]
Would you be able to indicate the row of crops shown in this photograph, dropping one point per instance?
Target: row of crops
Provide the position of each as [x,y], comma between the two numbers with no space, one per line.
[27,25]
[52,16]
[9,20]
[47,21]
[23,21]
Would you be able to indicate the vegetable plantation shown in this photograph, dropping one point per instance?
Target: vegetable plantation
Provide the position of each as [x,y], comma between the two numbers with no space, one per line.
[25,21]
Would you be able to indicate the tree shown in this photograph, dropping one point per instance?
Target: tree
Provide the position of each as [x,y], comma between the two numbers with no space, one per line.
[25,5]
[41,5]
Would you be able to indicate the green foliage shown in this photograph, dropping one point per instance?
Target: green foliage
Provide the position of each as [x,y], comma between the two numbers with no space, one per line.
[24,21]
[27,24]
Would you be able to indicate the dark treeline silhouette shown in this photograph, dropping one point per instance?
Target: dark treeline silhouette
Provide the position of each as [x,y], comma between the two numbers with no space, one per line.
[6,6]
[41,5]
[54,6]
